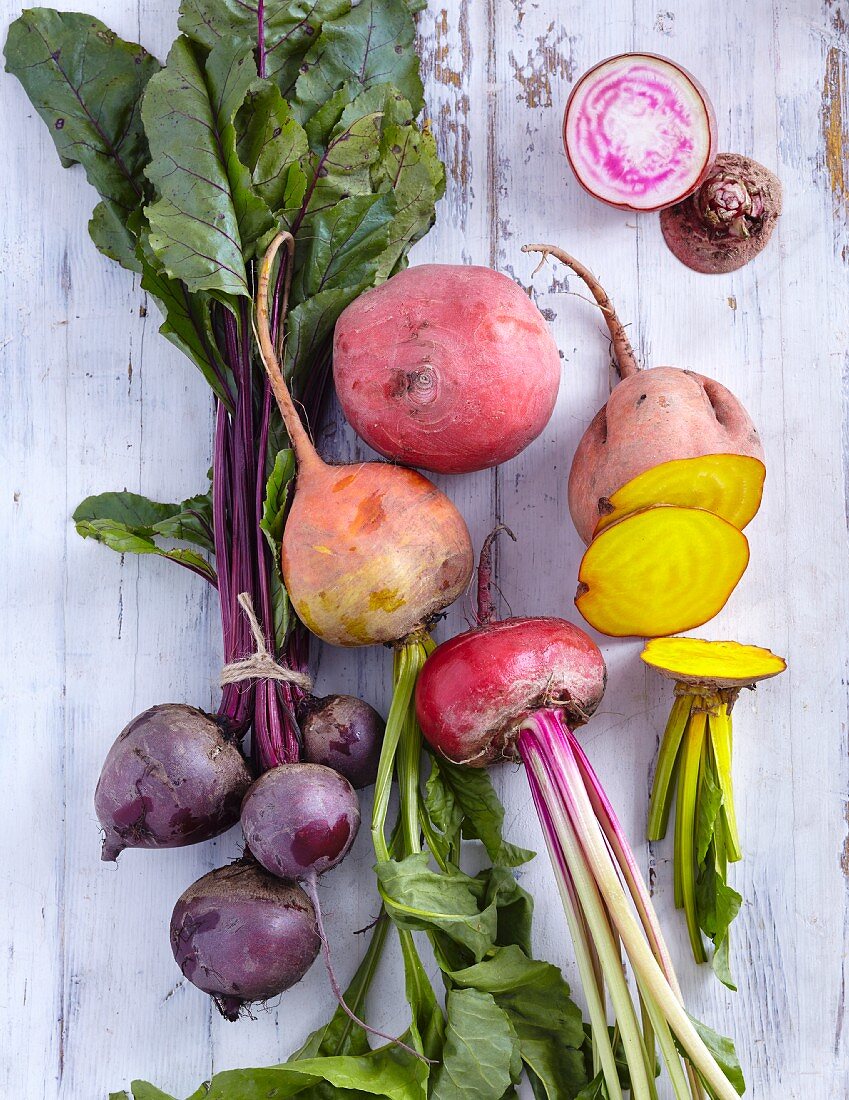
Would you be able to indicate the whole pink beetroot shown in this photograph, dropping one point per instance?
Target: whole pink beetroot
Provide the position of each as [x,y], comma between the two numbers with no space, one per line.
[447,367]
[476,689]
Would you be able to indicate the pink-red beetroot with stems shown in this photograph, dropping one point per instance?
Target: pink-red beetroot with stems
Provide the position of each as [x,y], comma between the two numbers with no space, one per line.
[517,688]
[344,733]
[242,935]
[651,417]
[446,366]
[173,777]
[728,220]
[300,821]
[639,132]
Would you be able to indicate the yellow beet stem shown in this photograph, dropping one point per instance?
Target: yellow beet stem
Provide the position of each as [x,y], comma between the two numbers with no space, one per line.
[719,722]
[305,452]
[662,786]
[623,354]
[729,485]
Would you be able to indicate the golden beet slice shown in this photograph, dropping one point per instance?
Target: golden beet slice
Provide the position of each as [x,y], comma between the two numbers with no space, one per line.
[719,665]
[660,571]
[728,485]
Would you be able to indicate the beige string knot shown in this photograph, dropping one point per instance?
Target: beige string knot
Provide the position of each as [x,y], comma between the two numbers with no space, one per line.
[260,665]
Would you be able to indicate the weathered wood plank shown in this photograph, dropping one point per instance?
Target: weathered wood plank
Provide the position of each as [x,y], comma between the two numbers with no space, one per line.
[85,1008]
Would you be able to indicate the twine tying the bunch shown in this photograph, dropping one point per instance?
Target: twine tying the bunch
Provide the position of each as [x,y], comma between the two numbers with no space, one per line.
[260,665]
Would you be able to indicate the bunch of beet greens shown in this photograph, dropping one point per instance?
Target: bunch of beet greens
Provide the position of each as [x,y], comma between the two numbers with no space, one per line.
[299,118]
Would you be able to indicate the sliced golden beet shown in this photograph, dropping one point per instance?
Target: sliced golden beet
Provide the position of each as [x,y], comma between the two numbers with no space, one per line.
[716,665]
[660,571]
[728,485]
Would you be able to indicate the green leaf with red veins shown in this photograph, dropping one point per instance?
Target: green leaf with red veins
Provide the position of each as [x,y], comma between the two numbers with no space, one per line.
[343,245]
[207,221]
[87,83]
[273,147]
[188,321]
[131,524]
[370,45]
[279,37]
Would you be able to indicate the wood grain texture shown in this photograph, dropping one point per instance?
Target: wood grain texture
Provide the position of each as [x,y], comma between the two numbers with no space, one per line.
[92,398]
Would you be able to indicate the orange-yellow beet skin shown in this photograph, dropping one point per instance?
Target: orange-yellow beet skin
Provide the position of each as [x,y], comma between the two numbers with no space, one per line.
[372,552]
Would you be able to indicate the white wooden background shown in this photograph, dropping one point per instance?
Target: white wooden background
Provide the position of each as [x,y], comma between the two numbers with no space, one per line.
[91,398]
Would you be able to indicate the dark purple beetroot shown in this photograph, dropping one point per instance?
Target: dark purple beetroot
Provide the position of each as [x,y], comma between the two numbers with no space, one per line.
[171,778]
[344,733]
[300,820]
[729,220]
[242,935]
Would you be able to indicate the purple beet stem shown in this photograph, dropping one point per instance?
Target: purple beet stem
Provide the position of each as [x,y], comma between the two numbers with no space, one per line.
[242,555]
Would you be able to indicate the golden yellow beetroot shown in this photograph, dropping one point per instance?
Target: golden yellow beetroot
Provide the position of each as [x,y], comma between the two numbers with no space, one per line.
[730,486]
[659,571]
[370,552]
[695,757]
[652,417]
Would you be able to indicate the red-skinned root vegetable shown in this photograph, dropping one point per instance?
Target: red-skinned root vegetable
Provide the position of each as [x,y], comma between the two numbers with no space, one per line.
[606,902]
[300,821]
[651,417]
[728,220]
[639,132]
[371,552]
[480,729]
[344,733]
[446,366]
[242,935]
[173,777]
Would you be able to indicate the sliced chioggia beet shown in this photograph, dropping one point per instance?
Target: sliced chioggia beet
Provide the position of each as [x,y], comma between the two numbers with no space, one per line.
[449,367]
[695,760]
[728,220]
[730,486]
[639,131]
[660,571]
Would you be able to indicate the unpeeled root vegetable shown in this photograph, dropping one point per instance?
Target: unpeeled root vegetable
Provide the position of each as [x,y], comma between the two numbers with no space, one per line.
[695,759]
[371,552]
[448,367]
[728,220]
[173,777]
[467,681]
[242,935]
[639,132]
[660,570]
[652,418]
[730,486]
[479,731]
[344,733]
[300,821]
